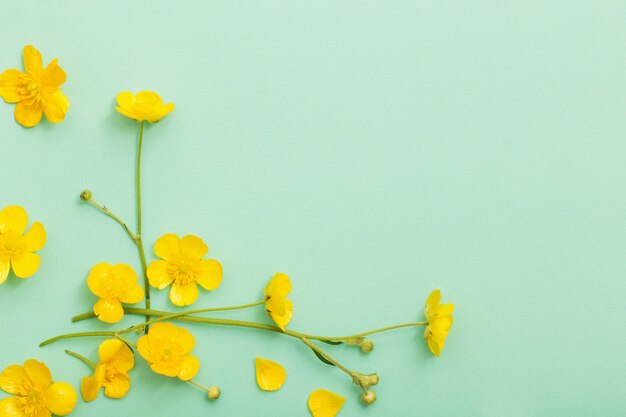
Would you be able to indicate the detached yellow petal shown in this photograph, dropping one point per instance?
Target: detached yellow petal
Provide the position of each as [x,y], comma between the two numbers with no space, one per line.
[269,375]
[323,403]
[89,388]
[61,398]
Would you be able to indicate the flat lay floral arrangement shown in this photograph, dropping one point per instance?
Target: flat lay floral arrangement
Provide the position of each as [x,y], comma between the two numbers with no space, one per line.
[180,266]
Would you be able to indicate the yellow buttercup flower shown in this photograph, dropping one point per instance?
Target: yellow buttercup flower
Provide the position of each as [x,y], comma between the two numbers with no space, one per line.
[116,360]
[16,248]
[439,318]
[34,392]
[277,305]
[167,349]
[323,403]
[269,375]
[114,284]
[145,106]
[183,267]
[37,91]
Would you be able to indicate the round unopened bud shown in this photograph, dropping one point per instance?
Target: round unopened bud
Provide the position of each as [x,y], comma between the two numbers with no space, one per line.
[368,397]
[85,195]
[214,393]
[367,345]
[372,379]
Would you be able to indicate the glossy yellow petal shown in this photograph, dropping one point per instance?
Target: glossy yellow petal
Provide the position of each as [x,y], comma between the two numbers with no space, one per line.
[10,83]
[9,408]
[275,305]
[5,267]
[32,60]
[210,275]
[14,218]
[110,349]
[126,277]
[166,367]
[118,386]
[283,320]
[167,247]
[192,247]
[97,279]
[158,274]
[184,294]
[125,99]
[14,380]
[161,113]
[144,347]
[53,75]
[278,285]
[434,298]
[89,388]
[133,295]
[323,403]
[38,373]
[60,398]
[56,107]
[190,367]
[185,339]
[27,115]
[24,264]
[35,238]
[108,310]
[270,376]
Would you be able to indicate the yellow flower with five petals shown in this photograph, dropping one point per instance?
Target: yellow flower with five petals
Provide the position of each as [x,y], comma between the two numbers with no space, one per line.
[167,349]
[37,91]
[34,392]
[439,318]
[145,106]
[114,284]
[115,361]
[277,305]
[323,403]
[182,265]
[16,248]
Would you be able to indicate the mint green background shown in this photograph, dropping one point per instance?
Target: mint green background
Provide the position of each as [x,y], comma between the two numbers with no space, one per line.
[371,150]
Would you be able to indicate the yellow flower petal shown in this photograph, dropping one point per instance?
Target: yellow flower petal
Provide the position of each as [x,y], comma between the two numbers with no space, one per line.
[27,115]
[434,298]
[109,310]
[53,75]
[9,408]
[56,107]
[145,106]
[10,84]
[97,278]
[210,275]
[193,247]
[278,285]
[118,386]
[270,376]
[158,276]
[89,388]
[32,60]
[24,264]
[14,379]
[125,99]
[133,295]
[190,367]
[323,403]
[283,320]
[38,373]
[167,247]
[5,267]
[61,398]
[184,294]
[35,238]
[111,349]
[14,218]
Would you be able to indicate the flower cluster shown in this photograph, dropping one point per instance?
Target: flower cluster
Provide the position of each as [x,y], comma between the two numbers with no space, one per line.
[181,265]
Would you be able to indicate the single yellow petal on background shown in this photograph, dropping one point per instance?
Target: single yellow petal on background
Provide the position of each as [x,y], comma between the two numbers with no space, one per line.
[25,264]
[323,403]
[210,275]
[32,60]
[13,379]
[167,247]
[14,218]
[61,398]
[35,238]
[89,388]
[27,115]
[10,84]
[56,107]
[184,294]
[193,247]
[109,310]
[118,386]
[158,276]
[270,376]
[190,368]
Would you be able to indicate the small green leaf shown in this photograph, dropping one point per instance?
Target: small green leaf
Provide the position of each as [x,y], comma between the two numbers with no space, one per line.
[322,358]
[331,342]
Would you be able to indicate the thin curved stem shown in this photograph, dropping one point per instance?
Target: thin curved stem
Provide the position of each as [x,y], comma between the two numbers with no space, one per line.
[74,335]
[138,240]
[82,358]
[382,329]
[327,356]
[202,387]
[109,213]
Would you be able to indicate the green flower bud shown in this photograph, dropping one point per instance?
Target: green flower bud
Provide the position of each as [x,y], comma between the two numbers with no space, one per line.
[367,345]
[85,195]
[214,393]
[368,397]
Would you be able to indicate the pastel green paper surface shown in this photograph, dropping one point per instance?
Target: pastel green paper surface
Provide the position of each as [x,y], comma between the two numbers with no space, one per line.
[372,151]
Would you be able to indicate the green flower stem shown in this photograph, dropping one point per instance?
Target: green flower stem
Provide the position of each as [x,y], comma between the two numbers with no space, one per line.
[73,335]
[202,387]
[382,329]
[114,217]
[138,240]
[91,314]
[327,356]
[82,358]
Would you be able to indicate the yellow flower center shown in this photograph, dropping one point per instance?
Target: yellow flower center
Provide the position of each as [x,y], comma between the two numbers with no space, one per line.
[10,242]
[184,272]
[32,404]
